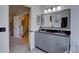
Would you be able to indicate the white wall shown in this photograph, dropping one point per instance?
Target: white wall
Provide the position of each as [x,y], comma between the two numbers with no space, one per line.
[74,25]
[35,10]
[4,22]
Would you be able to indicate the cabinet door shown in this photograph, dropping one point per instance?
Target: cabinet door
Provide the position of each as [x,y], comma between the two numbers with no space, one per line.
[45,44]
[52,44]
[62,44]
[42,41]
[37,39]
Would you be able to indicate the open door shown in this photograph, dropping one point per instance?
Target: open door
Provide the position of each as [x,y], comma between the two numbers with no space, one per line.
[19,17]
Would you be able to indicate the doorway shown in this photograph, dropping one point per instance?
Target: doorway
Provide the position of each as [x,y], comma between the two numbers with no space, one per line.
[19,28]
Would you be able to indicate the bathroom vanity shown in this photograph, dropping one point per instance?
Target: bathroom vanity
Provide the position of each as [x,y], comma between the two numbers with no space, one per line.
[54,33]
[52,42]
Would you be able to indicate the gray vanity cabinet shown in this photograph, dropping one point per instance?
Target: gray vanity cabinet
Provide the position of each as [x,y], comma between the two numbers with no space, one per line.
[51,43]
[41,41]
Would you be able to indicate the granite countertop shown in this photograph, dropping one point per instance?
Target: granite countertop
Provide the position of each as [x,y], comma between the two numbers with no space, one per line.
[58,34]
[57,29]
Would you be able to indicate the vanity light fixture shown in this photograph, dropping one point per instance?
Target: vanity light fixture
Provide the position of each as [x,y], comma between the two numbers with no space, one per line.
[52,9]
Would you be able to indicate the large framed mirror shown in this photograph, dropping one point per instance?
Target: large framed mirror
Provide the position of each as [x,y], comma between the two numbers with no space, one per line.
[59,19]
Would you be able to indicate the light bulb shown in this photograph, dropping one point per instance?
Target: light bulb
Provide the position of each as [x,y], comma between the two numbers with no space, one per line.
[58,7]
[45,11]
[49,10]
[54,9]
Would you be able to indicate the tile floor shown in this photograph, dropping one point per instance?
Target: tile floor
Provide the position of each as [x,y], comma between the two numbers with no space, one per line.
[16,46]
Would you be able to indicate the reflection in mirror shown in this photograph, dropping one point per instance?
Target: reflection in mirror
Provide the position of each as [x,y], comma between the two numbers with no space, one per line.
[59,19]
[56,20]
[64,22]
[46,21]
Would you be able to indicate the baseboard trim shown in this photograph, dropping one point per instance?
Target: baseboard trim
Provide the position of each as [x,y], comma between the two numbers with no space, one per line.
[41,49]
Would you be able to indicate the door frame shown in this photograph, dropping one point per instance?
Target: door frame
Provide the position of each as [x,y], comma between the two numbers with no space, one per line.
[29,27]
